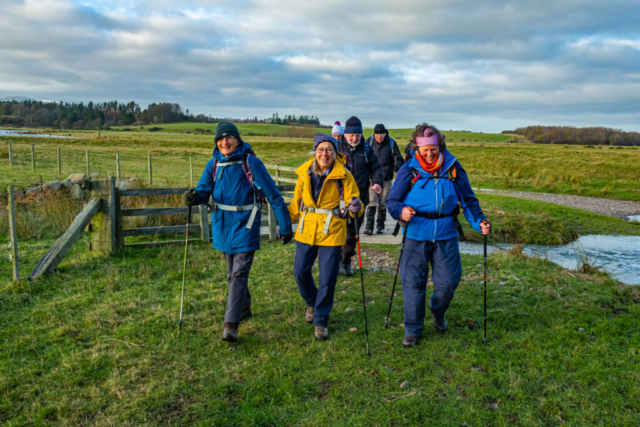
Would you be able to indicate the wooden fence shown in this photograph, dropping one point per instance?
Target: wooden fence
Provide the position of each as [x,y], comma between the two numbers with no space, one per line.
[103,218]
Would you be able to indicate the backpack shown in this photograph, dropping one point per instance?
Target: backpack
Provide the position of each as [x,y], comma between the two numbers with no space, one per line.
[247,171]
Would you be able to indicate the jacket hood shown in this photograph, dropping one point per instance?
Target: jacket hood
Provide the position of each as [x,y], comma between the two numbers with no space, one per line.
[242,148]
[449,160]
[337,170]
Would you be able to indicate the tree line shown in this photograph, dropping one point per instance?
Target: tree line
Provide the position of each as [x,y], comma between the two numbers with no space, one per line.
[65,115]
[572,135]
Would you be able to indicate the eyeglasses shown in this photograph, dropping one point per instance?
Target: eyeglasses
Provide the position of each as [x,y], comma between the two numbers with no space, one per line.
[324,151]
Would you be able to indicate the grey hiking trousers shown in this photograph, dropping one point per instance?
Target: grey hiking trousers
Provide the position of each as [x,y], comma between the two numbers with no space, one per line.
[239,299]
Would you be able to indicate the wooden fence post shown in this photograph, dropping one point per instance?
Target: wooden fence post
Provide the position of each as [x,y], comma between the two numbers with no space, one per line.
[103,224]
[10,156]
[150,171]
[87,155]
[59,162]
[277,174]
[33,157]
[118,165]
[272,222]
[13,235]
[204,224]
[191,169]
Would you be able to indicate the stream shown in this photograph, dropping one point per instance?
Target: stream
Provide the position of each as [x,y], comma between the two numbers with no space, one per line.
[4,132]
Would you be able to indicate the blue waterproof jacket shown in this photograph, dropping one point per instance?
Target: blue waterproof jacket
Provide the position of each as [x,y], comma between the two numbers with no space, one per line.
[434,194]
[231,187]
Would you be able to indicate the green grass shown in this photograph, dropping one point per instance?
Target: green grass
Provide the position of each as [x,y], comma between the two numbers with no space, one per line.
[96,343]
[258,129]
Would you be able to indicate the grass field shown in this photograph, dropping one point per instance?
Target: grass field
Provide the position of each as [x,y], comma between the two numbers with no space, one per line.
[257,129]
[96,343]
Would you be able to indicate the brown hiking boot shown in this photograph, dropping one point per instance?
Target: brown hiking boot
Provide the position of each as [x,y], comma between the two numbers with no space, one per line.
[309,315]
[230,332]
[322,333]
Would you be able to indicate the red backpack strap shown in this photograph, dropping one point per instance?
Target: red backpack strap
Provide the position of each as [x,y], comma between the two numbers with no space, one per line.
[246,168]
[215,169]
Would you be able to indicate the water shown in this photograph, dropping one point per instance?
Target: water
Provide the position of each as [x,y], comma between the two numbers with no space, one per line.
[4,132]
[634,218]
[617,255]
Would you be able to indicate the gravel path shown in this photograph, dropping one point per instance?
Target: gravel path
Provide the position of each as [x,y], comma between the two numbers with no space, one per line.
[615,208]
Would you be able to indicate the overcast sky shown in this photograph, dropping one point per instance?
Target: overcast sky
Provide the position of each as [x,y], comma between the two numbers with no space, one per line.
[460,64]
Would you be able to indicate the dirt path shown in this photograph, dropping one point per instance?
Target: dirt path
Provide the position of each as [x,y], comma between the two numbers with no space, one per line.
[615,208]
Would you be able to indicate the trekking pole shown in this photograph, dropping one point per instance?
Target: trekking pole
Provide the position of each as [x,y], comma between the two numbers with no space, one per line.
[184,268]
[484,340]
[364,302]
[393,290]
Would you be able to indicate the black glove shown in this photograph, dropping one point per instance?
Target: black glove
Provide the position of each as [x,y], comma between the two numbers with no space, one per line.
[286,238]
[190,198]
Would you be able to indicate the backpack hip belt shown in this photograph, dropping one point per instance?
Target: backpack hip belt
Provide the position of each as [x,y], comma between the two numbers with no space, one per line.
[329,212]
[455,212]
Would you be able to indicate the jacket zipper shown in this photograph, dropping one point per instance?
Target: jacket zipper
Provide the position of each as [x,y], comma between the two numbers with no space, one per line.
[435,226]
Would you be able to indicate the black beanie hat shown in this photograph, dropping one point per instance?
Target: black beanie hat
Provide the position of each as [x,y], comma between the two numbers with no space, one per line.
[226,129]
[353,125]
[379,129]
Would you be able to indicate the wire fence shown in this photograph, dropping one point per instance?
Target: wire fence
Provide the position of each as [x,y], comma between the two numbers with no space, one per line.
[35,165]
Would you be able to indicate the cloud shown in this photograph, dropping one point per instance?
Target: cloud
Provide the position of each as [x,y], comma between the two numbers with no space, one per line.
[463,64]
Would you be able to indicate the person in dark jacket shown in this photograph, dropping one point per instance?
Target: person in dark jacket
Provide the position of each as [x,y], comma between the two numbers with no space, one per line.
[426,194]
[235,221]
[368,175]
[390,158]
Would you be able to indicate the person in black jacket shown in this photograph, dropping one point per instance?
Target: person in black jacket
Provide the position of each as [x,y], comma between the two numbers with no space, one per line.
[368,174]
[390,158]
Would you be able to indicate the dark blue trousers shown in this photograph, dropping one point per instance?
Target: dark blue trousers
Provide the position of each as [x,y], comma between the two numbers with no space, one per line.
[329,262]
[444,257]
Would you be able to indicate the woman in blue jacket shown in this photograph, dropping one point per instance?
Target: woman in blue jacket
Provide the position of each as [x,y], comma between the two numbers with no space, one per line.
[426,194]
[240,179]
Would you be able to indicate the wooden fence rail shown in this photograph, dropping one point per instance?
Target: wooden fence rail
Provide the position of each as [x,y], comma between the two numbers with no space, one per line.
[103,218]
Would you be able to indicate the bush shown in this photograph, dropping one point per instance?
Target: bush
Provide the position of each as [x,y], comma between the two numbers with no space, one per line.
[154,129]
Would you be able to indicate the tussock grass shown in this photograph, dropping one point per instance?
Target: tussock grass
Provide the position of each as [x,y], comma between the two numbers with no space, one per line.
[96,343]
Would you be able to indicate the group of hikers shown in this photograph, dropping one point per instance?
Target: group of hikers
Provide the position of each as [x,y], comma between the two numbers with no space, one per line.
[346,174]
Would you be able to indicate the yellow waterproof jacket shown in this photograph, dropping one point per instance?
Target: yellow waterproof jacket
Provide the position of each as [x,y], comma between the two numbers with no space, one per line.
[329,198]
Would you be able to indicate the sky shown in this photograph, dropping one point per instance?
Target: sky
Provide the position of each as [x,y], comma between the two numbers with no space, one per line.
[459,64]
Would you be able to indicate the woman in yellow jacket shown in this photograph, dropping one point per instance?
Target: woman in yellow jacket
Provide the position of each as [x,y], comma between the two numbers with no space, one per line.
[325,195]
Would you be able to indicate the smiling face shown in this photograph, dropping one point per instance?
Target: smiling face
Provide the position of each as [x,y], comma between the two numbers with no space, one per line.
[227,145]
[352,138]
[325,155]
[429,153]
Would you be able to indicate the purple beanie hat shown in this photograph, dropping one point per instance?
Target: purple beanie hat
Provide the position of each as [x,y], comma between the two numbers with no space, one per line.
[321,137]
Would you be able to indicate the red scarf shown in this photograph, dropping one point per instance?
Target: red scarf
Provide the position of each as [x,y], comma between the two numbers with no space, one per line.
[433,167]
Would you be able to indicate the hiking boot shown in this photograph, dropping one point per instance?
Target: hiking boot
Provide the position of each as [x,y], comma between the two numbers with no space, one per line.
[246,315]
[439,324]
[368,231]
[309,315]
[347,271]
[322,333]
[409,341]
[230,332]
[380,231]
